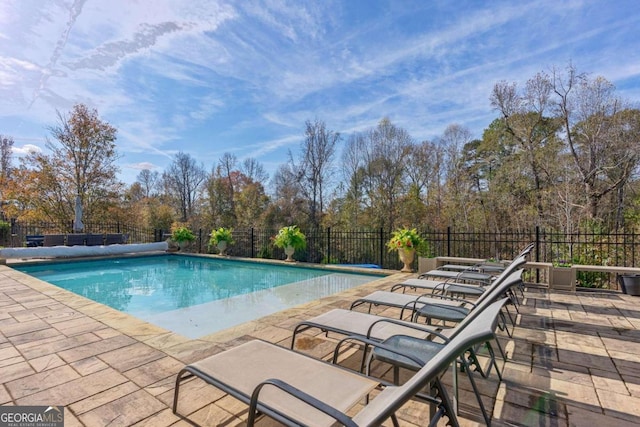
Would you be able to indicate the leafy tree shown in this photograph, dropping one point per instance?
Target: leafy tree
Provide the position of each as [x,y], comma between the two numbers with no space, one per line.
[289,202]
[81,163]
[6,152]
[353,169]
[235,194]
[385,152]
[149,182]
[253,170]
[594,127]
[421,173]
[182,181]
[526,119]
[459,195]
[313,170]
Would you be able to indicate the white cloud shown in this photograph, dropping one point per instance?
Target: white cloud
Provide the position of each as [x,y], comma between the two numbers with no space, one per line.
[26,149]
[142,166]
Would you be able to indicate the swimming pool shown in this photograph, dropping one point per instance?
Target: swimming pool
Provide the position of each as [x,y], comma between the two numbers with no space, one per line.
[194,296]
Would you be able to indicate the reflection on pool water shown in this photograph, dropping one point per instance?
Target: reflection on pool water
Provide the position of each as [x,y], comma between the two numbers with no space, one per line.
[194,296]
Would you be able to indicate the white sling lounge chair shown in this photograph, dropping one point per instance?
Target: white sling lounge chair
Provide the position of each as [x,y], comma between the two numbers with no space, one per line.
[297,390]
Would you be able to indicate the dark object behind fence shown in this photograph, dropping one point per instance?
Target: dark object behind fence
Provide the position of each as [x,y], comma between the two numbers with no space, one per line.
[630,284]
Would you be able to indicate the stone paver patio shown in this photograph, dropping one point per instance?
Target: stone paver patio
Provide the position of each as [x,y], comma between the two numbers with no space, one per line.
[573,360]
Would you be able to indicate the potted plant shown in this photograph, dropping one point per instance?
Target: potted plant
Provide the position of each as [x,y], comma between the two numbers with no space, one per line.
[290,239]
[405,241]
[221,238]
[182,236]
[562,276]
[427,259]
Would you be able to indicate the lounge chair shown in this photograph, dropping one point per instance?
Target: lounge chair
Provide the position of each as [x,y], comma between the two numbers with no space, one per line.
[459,276]
[490,267]
[407,352]
[440,287]
[380,328]
[114,238]
[295,389]
[408,302]
[94,239]
[435,306]
[503,289]
[370,327]
[33,241]
[449,286]
[348,322]
[76,239]
[53,240]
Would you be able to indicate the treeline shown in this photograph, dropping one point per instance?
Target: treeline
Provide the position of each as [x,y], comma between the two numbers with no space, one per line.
[563,152]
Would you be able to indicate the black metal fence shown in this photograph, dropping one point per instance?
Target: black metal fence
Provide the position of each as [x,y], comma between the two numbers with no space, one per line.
[368,246]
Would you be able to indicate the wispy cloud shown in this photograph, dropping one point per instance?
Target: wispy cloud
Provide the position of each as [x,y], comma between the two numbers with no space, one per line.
[207,77]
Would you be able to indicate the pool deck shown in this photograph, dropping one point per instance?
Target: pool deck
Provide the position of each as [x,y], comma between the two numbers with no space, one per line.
[573,360]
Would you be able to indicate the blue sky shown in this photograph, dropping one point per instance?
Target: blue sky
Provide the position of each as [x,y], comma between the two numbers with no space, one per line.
[207,77]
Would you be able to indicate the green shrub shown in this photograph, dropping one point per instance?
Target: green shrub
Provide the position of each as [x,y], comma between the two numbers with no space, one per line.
[264,252]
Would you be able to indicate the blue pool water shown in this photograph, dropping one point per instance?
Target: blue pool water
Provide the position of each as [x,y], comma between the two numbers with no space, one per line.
[194,296]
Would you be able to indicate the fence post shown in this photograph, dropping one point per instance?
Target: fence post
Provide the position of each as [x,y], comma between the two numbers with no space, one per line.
[253,244]
[537,252]
[537,243]
[449,241]
[199,240]
[633,248]
[381,248]
[328,245]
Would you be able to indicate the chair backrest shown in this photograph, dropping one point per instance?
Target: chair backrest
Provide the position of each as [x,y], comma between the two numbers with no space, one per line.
[497,293]
[76,239]
[480,330]
[527,249]
[53,240]
[490,290]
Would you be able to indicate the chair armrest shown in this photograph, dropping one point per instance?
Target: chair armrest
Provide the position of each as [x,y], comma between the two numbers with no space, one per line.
[372,343]
[300,395]
[447,297]
[424,328]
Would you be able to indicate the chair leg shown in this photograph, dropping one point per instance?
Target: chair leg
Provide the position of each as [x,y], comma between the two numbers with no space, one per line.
[502,353]
[472,360]
[455,386]
[503,322]
[487,420]
[494,362]
[445,408]
[181,376]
